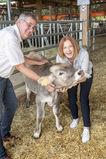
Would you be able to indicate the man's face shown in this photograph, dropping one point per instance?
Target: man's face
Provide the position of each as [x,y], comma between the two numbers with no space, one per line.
[26,27]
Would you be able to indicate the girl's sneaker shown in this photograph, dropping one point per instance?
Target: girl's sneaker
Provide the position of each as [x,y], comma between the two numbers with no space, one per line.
[74,123]
[85,135]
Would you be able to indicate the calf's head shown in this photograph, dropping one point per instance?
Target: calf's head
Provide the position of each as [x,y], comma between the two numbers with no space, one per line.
[62,75]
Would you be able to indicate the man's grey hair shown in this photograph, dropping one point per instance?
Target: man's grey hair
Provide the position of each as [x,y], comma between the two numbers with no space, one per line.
[23,16]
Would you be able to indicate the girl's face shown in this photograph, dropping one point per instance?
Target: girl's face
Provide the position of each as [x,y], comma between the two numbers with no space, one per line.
[68,49]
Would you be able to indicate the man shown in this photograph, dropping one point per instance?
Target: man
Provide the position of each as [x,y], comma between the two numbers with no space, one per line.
[11,57]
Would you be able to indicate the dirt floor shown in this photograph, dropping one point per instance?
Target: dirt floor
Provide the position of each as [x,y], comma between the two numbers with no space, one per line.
[67,144]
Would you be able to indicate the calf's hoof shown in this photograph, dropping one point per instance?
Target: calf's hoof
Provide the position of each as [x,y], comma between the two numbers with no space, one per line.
[27,104]
[59,128]
[36,135]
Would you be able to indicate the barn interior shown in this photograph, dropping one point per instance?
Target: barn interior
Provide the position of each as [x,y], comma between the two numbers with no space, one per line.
[50,7]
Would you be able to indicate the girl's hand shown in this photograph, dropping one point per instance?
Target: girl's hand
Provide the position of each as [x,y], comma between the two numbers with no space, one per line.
[50,87]
[82,80]
[63,89]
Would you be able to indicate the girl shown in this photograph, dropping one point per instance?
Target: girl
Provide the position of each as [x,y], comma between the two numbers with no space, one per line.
[70,52]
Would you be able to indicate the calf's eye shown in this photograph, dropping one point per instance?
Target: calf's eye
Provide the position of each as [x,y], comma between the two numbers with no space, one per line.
[61,73]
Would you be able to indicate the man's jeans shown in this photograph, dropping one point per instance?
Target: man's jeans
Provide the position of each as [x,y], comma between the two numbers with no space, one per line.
[8,105]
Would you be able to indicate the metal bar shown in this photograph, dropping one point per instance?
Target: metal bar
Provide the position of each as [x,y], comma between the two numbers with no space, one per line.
[9,9]
[40,49]
[42,39]
[45,48]
[54,33]
[99,35]
[62,22]
[58,32]
[76,28]
[80,34]
[50,27]
[93,35]
[71,29]
[38,30]
[89,37]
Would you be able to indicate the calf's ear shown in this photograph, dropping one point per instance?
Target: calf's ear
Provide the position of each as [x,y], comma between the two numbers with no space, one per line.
[45,80]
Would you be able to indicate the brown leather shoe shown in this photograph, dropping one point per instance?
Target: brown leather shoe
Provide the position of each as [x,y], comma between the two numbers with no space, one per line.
[7,157]
[10,138]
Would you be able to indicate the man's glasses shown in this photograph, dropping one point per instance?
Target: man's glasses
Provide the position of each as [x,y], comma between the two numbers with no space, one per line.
[30,25]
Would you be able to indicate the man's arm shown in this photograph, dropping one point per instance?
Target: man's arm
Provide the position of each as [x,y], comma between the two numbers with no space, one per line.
[33,62]
[31,74]
[28,72]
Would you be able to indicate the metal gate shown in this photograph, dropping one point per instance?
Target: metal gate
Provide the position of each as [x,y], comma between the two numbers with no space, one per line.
[47,35]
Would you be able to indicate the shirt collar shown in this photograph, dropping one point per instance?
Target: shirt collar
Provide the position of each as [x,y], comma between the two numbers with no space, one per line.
[17,33]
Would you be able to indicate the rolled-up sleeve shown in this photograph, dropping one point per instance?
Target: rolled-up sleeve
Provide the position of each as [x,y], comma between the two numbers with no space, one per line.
[85,63]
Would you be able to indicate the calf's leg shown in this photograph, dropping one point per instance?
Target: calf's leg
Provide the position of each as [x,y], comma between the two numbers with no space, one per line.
[39,117]
[28,91]
[56,111]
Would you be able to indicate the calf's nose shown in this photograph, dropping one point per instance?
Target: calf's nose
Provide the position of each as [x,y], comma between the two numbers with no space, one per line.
[80,72]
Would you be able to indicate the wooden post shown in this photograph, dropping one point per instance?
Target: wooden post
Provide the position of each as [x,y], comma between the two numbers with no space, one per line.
[84,16]
[39,9]
[76,11]
[56,12]
[70,11]
[104,10]
[50,13]
[39,12]
[19,6]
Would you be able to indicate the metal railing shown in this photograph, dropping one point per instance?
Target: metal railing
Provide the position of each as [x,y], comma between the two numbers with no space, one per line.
[96,29]
[48,34]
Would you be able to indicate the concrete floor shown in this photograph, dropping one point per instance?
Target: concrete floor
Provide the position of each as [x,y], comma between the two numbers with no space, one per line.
[18,79]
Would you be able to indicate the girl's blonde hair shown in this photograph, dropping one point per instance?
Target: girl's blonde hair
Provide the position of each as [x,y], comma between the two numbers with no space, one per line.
[74,44]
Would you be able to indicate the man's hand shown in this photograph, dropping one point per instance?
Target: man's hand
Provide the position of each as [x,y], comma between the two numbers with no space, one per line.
[50,87]
[41,62]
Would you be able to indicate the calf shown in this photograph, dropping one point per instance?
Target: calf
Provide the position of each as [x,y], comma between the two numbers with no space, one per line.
[61,75]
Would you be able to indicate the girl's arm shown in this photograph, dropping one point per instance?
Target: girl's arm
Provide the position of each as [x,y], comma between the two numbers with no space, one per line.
[85,63]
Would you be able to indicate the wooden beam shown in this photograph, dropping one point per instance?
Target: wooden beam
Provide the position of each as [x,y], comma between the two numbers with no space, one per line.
[70,11]
[84,16]
[50,13]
